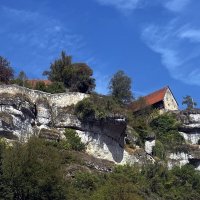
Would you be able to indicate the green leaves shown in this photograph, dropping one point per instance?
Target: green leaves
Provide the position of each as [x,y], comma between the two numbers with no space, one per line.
[32,171]
[97,107]
[7,72]
[166,128]
[73,140]
[120,87]
[77,77]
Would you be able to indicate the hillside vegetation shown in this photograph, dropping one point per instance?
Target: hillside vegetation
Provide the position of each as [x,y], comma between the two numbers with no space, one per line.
[47,170]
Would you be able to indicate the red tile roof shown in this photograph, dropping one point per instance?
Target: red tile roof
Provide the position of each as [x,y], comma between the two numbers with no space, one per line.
[35,81]
[156,96]
[150,99]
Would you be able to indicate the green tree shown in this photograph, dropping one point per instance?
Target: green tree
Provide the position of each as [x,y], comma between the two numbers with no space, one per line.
[188,101]
[120,87]
[7,72]
[77,77]
[56,72]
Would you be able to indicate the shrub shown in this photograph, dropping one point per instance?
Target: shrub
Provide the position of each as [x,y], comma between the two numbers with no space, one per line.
[97,107]
[73,141]
[165,123]
[166,128]
[55,87]
[159,150]
[85,181]
[32,171]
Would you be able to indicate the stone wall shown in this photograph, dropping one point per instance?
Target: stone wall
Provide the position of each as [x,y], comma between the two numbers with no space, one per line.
[60,100]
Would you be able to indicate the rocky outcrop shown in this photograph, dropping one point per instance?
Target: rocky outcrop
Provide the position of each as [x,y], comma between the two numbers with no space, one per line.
[190,130]
[186,154]
[17,116]
[25,112]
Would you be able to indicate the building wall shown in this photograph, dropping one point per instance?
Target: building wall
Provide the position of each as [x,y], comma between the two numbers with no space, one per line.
[169,101]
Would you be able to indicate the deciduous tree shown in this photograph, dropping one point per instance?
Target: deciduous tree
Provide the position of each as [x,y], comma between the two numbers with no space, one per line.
[7,73]
[120,87]
[77,77]
[189,102]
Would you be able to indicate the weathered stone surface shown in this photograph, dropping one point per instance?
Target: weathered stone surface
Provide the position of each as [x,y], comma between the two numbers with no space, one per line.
[190,128]
[25,112]
[149,144]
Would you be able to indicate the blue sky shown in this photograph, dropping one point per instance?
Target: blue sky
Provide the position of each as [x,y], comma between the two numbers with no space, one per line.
[156,42]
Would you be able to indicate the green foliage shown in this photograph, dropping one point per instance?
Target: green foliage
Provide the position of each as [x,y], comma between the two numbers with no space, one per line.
[41,170]
[86,182]
[55,87]
[32,171]
[122,184]
[97,107]
[7,72]
[140,122]
[120,87]
[166,128]
[188,101]
[165,123]
[73,141]
[159,150]
[77,77]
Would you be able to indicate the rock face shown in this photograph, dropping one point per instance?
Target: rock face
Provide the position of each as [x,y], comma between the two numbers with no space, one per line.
[190,130]
[25,112]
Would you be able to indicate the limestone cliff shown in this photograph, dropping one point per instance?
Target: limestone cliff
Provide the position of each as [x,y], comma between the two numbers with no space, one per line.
[25,112]
[190,130]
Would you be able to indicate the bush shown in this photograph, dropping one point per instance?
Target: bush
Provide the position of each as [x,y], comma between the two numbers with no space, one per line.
[32,171]
[97,107]
[159,150]
[140,122]
[165,123]
[55,87]
[73,141]
[166,128]
[85,182]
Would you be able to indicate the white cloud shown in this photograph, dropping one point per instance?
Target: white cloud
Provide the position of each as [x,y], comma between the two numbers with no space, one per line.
[177,5]
[177,41]
[178,54]
[192,34]
[122,5]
